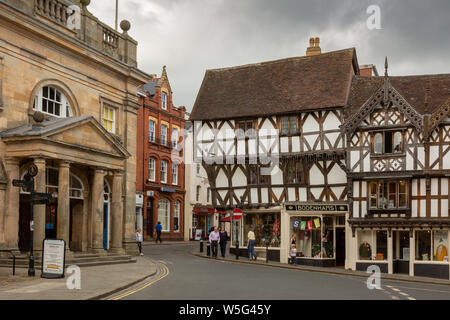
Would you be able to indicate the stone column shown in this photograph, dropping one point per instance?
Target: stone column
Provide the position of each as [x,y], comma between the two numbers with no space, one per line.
[390,253]
[97,208]
[285,230]
[39,210]
[63,221]
[85,227]
[117,214]
[11,218]
[412,252]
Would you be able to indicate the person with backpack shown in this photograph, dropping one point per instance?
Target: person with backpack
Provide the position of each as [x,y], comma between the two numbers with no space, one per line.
[158,229]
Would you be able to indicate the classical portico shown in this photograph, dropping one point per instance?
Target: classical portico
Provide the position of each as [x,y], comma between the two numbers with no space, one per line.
[82,166]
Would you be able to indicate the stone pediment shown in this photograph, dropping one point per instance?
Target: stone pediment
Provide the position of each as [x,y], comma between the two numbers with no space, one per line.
[89,136]
[80,133]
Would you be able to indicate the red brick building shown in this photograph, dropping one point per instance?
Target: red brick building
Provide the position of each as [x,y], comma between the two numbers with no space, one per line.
[160,184]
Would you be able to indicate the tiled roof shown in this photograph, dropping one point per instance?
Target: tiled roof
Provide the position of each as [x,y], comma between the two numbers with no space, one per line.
[276,87]
[150,87]
[417,90]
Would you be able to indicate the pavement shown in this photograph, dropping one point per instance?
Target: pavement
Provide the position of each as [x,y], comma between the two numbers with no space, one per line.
[96,282]
[336,271]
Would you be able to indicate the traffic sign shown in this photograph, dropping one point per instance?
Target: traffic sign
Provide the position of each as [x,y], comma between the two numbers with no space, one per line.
[41,196]
[22,184]
[237,214]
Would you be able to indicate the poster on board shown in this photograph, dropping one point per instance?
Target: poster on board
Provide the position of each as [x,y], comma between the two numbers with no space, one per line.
[198,234]
[53,259]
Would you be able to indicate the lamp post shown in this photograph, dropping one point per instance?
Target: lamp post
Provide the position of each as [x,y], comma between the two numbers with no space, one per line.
[31,271]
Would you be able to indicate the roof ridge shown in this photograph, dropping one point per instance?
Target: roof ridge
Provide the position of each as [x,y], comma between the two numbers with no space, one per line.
[278,61]
[438,75]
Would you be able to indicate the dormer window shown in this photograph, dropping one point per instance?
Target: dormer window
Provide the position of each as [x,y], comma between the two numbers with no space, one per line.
[288,125]
[53,102]
[246,129]
[389,142]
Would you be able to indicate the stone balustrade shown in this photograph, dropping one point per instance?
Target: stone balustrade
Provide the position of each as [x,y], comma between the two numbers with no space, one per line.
[80,23]
[54,10]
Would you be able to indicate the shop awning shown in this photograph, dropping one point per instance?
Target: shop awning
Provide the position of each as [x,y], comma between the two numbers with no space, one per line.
[203,210]
[227,219]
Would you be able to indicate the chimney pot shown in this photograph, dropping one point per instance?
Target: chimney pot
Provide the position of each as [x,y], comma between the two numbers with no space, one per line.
[314,47]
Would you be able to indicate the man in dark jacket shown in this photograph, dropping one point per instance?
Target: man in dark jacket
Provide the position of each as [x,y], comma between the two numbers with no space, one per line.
[158,229]
[223,241]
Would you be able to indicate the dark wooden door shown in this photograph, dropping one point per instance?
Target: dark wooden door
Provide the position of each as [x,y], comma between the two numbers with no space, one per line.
[340,247]
[24,223]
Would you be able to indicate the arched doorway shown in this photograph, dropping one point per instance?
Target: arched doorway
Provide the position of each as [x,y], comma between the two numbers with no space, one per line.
[106,215]
[76,194]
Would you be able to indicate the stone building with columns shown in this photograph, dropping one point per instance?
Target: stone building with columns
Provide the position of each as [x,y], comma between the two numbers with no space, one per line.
[68,104]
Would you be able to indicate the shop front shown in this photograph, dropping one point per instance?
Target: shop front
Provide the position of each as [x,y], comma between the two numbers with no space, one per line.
[203,219]
[318,232]
[412,251]
[267,229]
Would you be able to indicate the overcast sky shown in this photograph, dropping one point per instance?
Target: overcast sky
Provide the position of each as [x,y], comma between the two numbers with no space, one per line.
[190,36]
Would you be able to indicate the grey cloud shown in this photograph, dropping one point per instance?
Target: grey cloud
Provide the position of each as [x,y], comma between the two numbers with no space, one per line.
[190,36]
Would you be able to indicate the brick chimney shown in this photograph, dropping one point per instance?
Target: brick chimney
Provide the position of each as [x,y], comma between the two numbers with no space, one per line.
[314,47]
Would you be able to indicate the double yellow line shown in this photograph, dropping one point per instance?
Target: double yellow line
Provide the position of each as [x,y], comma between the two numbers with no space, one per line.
[165,273]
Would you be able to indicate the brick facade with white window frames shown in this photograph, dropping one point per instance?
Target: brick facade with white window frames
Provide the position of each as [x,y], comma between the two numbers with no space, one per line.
[160,176]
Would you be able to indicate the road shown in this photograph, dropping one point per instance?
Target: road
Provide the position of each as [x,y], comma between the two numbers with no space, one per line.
[193,278]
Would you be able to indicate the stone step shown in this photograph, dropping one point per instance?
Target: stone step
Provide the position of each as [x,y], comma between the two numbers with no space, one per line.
[24,264]
[77,260]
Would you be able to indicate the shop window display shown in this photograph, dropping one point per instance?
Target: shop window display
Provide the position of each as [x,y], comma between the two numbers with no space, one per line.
[365,244]
[314,240]
[440,245]
[381,245]
[423,245]
[266,228]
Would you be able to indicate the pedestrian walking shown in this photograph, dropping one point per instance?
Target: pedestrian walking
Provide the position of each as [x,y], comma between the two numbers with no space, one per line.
[251,245]
[139,240]
[158,229]
[293,254]
[294,239]
[223,241]
[214,239]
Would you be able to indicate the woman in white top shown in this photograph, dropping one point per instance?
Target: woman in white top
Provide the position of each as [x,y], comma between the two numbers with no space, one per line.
[139,240]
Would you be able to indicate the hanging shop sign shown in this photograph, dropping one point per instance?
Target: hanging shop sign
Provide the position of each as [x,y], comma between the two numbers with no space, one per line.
[296,224]
[53,257]
[303,225]
[169,190]
[318,207]
[317,222]
[310,225]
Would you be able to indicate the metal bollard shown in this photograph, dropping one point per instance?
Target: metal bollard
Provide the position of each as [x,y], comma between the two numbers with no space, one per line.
[237,250]
[267,253]
[201,245]
[208,249]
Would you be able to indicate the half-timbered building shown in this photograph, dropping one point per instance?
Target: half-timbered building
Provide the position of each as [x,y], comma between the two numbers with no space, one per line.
[269,138]
[398,160]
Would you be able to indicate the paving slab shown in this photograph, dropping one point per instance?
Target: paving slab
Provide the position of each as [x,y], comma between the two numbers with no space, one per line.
[96,282]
